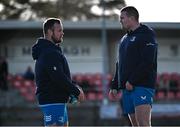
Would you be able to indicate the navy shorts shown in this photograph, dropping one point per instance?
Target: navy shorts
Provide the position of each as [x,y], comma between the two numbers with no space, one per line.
[55,114]
[138,96]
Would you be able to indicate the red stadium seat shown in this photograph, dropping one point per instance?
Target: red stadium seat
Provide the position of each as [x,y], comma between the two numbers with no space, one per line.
[87,77]
[29,97]
[23,90]
[100,96]
[178,95]
[78,77]
[174,76]
[17,84]
[97,76]
[170,95]
[28,83]
[91,96]
[165,77]
[18,77]
[98,82]
[160,95]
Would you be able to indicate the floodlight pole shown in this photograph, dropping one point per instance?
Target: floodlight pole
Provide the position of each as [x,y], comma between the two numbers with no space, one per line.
[104,55]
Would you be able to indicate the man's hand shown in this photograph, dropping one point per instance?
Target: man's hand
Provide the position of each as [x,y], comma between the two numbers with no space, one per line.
[113,93]
[81,96]
[129,86]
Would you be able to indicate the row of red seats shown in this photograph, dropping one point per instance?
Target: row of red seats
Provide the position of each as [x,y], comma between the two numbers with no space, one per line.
[160,95]
[92,79]
[165,77]
[96,79]
[26,88]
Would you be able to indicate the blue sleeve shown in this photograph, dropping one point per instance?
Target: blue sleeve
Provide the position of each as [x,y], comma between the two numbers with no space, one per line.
[148,56]
[54,67]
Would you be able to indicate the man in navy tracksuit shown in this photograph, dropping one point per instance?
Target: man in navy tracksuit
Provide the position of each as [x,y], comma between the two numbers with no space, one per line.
[136,68]
[52,75]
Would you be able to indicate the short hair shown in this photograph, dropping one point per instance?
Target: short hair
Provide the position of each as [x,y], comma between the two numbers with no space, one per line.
[131,11]
[49,23]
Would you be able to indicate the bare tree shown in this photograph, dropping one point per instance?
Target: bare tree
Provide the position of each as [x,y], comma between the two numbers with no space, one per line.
[66,9]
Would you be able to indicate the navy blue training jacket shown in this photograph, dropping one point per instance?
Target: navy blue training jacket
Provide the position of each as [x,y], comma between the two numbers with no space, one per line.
[52,75]
[137,62]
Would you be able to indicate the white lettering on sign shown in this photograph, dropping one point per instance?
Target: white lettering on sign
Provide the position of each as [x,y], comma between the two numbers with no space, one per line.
[76,51]
[69,50]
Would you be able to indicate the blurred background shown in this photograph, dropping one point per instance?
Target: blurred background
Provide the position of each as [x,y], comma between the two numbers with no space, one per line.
[92,31]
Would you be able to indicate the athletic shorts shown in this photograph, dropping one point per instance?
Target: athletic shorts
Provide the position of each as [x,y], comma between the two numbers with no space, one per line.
[138,96]
[55,114]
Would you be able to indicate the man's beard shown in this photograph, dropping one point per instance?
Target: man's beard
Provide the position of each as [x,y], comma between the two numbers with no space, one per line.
[56,41]
[124,28]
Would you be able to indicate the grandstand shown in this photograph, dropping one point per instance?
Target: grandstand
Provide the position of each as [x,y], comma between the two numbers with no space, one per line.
[20,101]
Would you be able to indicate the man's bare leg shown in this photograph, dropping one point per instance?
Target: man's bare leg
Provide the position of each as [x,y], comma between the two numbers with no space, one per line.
[132,119]
[143,115]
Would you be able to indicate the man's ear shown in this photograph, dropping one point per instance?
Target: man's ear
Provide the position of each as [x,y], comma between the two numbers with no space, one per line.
[49,32]
[132,18]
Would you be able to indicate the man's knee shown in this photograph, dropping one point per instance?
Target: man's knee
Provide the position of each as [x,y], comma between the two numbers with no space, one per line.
[144,122]
[143,115]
